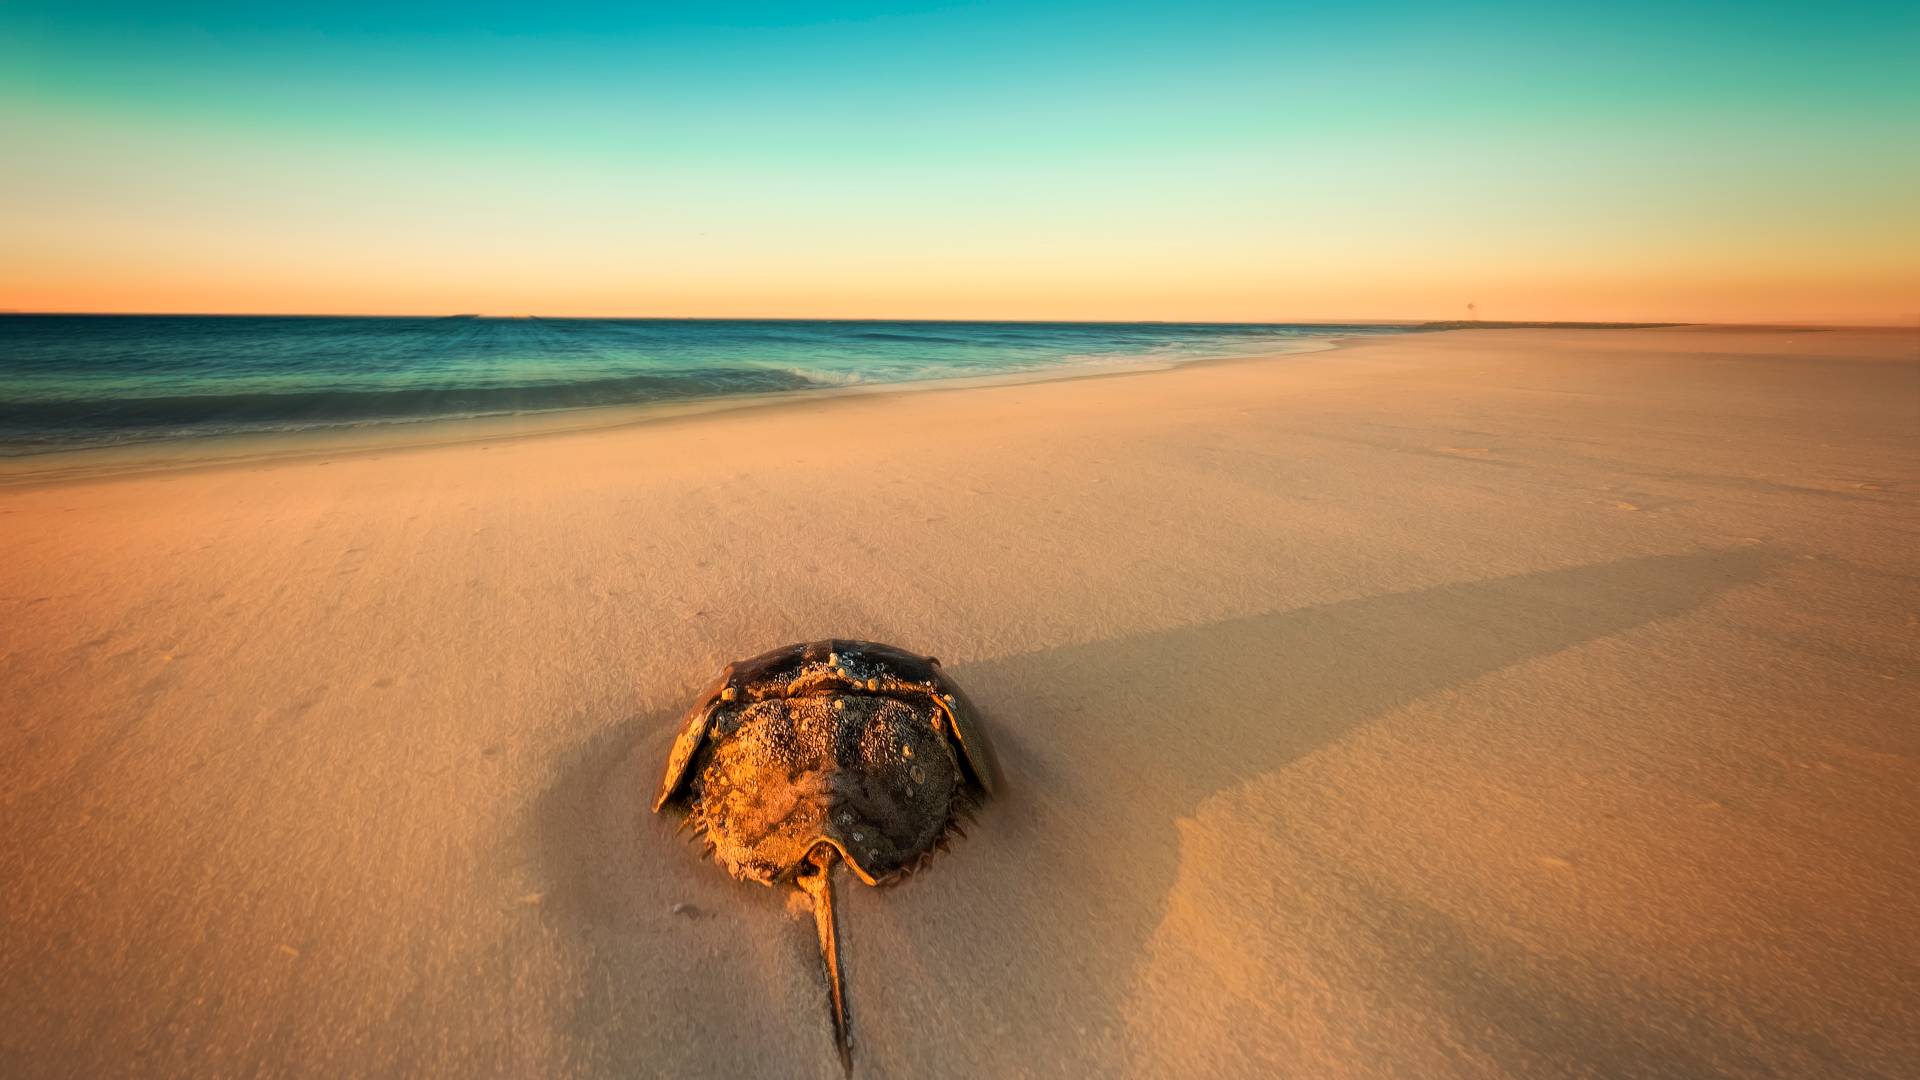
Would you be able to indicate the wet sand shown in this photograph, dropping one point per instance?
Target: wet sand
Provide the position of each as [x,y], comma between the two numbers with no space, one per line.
[1522,702]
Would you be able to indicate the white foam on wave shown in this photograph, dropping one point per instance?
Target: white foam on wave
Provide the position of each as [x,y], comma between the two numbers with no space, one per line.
[817,376]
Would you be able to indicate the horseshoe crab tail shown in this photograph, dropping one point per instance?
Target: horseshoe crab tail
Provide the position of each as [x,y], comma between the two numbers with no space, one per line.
[817,883]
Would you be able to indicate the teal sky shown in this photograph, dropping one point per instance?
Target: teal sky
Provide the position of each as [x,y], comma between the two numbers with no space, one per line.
[1267,161]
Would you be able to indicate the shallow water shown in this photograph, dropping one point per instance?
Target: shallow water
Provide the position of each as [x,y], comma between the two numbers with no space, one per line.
[71,381]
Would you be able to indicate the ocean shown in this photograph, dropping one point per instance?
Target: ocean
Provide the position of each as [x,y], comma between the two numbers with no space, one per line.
[75,381]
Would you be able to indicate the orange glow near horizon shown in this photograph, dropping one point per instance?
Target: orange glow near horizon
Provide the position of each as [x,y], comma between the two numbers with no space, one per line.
[1225,292]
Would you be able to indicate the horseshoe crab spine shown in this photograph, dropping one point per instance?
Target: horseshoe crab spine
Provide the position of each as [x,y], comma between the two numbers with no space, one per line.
[817,883]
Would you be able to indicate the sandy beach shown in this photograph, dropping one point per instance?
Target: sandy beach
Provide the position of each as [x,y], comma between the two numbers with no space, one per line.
[1480,703]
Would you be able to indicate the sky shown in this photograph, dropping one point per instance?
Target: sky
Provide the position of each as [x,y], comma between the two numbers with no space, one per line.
[1185,161]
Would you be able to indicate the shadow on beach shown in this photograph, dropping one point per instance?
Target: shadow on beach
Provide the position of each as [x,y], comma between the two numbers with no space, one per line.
[1021,945]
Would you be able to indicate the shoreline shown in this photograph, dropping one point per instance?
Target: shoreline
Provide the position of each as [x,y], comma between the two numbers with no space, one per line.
[165,456]
[195,452]
[168,454]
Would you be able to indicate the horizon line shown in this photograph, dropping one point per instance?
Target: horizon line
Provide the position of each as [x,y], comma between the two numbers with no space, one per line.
[1515,323]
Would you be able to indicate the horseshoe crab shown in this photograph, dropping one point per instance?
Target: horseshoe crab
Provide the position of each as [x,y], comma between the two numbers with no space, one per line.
[827,752]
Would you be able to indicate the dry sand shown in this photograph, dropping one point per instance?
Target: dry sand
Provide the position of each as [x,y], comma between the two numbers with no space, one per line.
[1526,703]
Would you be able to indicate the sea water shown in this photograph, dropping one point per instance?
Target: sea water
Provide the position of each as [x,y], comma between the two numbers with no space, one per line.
[72,381]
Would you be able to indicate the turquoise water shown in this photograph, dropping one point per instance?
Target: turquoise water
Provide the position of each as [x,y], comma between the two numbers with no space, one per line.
[69,381]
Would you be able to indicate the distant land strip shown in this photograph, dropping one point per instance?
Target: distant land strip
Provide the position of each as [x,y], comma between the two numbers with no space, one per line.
[1489,324]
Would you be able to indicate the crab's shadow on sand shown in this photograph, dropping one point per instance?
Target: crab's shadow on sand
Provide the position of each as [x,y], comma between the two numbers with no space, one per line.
[1048,907]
